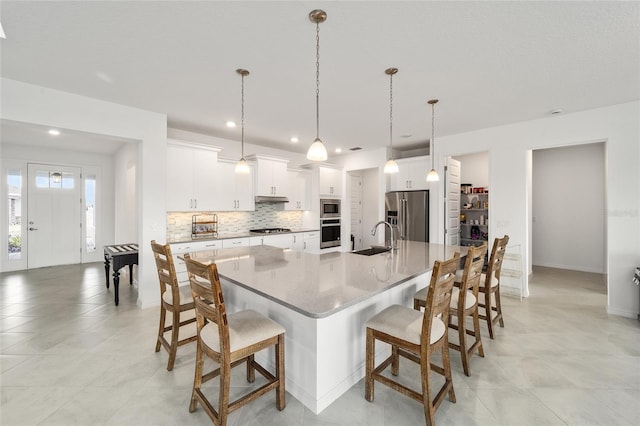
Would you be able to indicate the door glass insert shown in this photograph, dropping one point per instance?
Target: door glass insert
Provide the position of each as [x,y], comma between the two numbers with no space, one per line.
[90,213]
[14,198]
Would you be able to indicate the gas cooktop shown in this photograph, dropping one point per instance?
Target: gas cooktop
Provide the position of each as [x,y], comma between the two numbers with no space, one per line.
[270,230]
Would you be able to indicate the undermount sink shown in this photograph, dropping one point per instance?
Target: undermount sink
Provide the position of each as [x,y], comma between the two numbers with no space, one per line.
[372,250]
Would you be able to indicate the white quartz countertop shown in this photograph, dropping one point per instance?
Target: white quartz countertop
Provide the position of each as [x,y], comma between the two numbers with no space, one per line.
[318,285]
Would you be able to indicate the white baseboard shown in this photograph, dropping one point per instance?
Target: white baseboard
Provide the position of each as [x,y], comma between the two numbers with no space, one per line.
[570,267]
[623,313]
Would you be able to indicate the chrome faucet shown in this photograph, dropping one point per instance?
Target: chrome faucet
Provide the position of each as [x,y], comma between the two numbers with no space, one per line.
[394,244]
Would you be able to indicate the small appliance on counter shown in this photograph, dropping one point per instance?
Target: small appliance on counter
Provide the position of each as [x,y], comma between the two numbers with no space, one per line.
[204,225]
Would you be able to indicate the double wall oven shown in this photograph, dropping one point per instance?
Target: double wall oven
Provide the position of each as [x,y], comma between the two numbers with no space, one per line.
[329,223]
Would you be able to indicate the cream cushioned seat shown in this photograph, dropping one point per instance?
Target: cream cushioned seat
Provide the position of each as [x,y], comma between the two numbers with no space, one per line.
[469,301]
[494,281]
[185,295]
[245,329]
[405,323]
[459,274]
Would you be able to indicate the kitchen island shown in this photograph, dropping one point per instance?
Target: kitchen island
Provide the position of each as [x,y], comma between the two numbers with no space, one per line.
[323,301]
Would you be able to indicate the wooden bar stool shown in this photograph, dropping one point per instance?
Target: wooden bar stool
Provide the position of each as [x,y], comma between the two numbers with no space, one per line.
[230,340]
[464,303]
[416,336]
[174,299]
[490,285]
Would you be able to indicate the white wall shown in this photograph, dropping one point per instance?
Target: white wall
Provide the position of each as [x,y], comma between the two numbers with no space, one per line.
[509,150]
[370,204]
[356,161]
[39,105]
[126,184]
[100,165]
[474,168]
[568,208]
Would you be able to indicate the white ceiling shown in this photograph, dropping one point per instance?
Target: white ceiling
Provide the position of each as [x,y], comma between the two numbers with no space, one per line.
[489,63]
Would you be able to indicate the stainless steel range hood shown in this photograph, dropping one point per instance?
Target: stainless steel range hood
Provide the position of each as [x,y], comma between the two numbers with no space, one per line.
[271,200]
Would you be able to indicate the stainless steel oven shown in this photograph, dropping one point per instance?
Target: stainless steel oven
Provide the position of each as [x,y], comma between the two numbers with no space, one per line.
[329,208]
[330,233]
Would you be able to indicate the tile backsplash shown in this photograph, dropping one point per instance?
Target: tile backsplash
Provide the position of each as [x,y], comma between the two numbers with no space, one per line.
[265,216]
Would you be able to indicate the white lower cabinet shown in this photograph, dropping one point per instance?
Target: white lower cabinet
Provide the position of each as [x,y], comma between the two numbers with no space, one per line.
[178,249]
[235,242]
[312,242]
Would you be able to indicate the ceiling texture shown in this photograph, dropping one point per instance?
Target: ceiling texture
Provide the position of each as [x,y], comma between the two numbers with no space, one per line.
[489,63]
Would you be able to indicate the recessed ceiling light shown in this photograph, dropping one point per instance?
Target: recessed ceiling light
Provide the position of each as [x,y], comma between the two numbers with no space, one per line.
[338,150]
[556,111]
[54,132]
[294,139]
[231,124]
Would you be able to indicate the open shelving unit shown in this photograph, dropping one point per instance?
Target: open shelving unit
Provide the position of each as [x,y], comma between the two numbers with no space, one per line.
[474,215]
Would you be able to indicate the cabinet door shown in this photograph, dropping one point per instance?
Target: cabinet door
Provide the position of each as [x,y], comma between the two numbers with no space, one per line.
[312,242]
[235,242]
[205,175]
[271,178]
[225,187]
[282,241]
[399,181]
[412,175]
[330,182]
[297,192]
[255,241]
[417,173]
[244,195]
[233,192]
[179,178]
[298,242]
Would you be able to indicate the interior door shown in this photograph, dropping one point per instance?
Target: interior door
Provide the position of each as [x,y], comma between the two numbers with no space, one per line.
[54,230]
[452,202]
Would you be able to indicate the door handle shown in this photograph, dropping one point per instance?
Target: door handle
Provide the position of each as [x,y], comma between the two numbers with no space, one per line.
[33,229]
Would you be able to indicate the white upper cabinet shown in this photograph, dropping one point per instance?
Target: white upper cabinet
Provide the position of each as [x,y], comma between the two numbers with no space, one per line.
[330,182]
[412,174]
[234,192]
[191,176]
[297,190]
[271,175]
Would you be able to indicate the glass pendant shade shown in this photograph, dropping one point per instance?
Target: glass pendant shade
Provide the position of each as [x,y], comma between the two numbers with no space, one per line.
[242,167]
[391,167]
[317,151]
[433,176]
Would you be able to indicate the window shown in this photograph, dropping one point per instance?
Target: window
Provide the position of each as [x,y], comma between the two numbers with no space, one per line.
[90,212]
[14,199]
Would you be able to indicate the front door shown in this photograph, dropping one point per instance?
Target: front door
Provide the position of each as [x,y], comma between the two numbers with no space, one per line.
[54,233]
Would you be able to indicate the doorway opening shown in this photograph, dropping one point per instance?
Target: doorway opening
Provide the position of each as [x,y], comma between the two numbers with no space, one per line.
[568,204]
[363,205]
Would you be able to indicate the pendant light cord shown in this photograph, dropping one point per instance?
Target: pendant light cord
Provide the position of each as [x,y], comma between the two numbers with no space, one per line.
[391,114]
[433,121]
[242,117]
[317,80]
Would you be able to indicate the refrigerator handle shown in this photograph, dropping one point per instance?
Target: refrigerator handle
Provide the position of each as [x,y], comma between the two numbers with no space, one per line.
[403,231]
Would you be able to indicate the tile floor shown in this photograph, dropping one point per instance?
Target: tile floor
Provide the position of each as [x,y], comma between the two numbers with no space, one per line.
[69,356]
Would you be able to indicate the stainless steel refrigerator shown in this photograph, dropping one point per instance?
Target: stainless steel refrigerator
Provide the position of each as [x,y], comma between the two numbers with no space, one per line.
[408,212]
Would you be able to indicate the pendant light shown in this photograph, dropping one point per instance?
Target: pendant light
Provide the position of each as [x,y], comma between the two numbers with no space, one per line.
[391,166]
[433,175]
[241,166]
[317,150]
